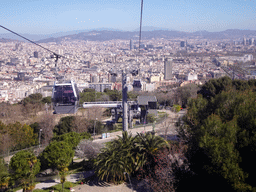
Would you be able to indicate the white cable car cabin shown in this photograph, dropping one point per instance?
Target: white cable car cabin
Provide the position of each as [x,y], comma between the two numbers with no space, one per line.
[65,97]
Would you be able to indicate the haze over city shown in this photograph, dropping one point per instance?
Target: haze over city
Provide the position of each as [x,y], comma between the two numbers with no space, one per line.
[45,17]
[175,102]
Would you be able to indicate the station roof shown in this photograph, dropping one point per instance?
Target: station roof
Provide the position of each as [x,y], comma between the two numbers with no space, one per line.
[143,100]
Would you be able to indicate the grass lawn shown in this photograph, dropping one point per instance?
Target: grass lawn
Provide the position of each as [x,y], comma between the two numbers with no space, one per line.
[58,187]
[67,186]
[162,115]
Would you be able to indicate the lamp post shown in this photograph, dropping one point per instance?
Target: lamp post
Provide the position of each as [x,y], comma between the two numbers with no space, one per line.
[94,127]
[129,179]
[124,102]
[153,127]
[40,132]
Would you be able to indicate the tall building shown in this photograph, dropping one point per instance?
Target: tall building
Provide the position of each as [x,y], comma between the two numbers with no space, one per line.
[244,41]
[182,43]
[167,69]
[21,76]
[60,51]
[36,54]
[131,44]
[251,41]
[17,47]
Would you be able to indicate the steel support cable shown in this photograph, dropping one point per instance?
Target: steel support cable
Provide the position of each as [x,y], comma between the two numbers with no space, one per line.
[55,54]
[140,23]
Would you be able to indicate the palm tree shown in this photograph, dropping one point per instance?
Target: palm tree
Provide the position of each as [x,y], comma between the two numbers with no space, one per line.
[4,175]
[150,143]
[126,154]
[116,159]
[147,146]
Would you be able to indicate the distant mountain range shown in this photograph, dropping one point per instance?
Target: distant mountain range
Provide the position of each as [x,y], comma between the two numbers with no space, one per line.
[104,34]
[151,28]
[3,40]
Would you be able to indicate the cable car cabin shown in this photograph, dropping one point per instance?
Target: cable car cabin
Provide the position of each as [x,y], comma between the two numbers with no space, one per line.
[65,97]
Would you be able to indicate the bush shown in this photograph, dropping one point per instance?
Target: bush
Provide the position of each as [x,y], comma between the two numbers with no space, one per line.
[151,118]
[85,135]
[98,127]
[57,155]
[72,138]
[47,100]
[176,108]
[65,125]
[110,126]
[88,149]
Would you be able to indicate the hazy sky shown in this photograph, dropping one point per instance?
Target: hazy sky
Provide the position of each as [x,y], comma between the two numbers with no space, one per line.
[50,16]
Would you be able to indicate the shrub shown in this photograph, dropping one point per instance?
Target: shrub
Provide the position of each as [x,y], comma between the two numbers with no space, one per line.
[176,108]
[151,118]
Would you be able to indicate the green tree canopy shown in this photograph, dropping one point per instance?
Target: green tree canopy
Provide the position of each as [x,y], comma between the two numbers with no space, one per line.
[65,125]
[114,95]
[47,100]
[87,97]
[220,134]
[4,175]
[22,135]
[32,99]
[88,90]
[71,138]
[132,95]
[58,155]
[186,92]
[16,136]
[216,86]
[25,166]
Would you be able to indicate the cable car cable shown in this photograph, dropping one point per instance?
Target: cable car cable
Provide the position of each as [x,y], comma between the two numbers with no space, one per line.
[55,54]
[70,104]
[140,24]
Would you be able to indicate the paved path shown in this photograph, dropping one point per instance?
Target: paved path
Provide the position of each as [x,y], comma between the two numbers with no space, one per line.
[103,188]
[162,129]
[72,178]
[166,128]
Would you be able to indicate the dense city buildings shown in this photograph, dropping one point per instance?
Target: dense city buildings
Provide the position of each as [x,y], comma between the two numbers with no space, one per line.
[27,68]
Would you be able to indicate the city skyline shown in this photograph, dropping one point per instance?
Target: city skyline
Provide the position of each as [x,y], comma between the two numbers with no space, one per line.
[46,17]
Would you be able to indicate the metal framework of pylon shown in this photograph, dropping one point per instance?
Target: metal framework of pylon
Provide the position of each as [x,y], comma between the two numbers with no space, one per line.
[124,100]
